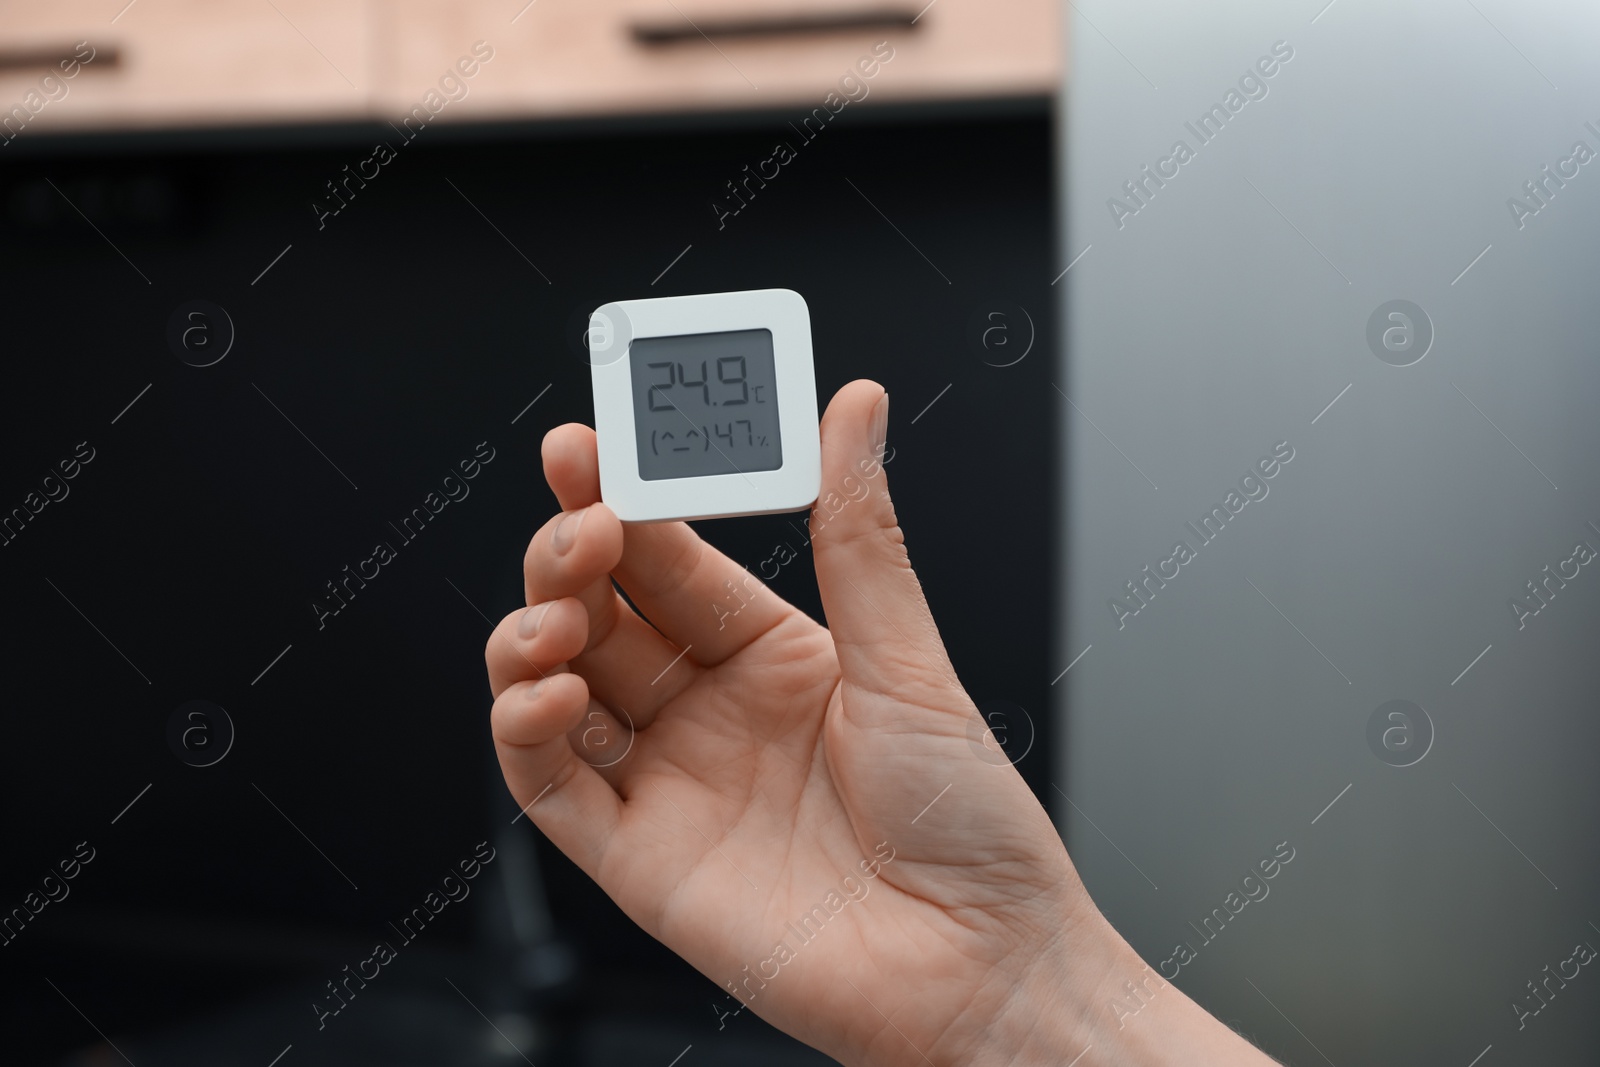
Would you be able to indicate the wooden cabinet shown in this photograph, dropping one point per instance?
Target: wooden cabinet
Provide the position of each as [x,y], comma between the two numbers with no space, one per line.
[554,57]
[186,62]
[167,63]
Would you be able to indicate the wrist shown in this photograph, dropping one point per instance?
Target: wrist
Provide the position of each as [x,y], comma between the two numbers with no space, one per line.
[1053,1010]
[1088,1000]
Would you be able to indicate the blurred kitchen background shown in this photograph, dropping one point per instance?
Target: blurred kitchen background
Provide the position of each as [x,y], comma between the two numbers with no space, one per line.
[273,340]
[273,269]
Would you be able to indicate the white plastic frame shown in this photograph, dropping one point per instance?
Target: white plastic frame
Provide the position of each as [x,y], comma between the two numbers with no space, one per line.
[791,487]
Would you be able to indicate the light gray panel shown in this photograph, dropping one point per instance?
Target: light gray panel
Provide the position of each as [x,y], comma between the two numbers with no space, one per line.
[1221,318]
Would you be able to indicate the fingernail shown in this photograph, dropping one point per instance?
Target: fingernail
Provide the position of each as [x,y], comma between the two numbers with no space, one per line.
[535,690]
[566,531]
[532,619]
[879,434]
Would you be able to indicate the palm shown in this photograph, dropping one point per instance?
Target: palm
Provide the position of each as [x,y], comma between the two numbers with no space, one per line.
[798,812]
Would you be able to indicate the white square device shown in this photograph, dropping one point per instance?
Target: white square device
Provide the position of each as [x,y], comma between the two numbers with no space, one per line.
[705,406]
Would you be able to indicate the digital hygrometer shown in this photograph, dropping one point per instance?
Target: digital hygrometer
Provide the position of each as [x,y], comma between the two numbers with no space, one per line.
[705,406]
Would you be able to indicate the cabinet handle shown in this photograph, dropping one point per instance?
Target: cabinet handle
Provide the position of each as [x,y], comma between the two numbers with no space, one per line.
[50,56]
[654,32]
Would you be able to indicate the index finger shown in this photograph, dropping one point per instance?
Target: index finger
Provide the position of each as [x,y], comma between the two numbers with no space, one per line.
[684,586]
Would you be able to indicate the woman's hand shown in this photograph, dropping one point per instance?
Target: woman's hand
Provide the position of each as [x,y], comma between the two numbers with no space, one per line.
[797,811]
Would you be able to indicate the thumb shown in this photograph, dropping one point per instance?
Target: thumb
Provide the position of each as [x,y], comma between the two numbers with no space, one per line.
[884,633]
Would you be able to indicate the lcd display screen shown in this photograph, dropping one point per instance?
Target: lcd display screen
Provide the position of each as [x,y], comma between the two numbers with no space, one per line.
[705,403]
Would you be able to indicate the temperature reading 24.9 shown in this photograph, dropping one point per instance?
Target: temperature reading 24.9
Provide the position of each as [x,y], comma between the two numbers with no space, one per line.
[733,386]
[705,404]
